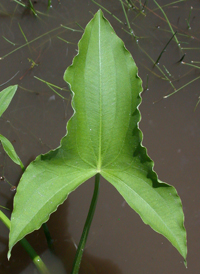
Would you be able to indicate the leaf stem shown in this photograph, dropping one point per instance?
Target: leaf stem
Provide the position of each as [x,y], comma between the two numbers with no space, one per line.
[34,256]
[81,246]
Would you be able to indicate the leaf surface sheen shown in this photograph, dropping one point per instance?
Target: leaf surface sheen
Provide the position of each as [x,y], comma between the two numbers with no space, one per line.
[102,137]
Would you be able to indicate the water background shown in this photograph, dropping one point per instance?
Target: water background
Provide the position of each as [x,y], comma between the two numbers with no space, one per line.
[119,242]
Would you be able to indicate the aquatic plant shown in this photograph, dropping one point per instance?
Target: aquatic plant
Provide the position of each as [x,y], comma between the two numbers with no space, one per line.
[6,97]
[103,139]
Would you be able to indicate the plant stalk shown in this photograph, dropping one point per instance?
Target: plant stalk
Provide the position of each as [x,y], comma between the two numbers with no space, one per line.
[81,246]
[31,252]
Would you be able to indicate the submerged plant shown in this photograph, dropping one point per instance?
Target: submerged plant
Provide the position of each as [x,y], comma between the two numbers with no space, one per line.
[103,139]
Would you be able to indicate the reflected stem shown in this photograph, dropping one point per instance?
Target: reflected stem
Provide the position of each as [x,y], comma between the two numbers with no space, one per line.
[48,237]
[81,246]
[31,252]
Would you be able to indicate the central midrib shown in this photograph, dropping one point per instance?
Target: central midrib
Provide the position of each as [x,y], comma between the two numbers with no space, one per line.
[100,106]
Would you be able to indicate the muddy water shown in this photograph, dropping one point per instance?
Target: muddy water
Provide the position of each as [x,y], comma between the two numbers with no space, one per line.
[119,243]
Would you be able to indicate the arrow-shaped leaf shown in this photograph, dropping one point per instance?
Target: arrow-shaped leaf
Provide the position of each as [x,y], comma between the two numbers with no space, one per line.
[102,137]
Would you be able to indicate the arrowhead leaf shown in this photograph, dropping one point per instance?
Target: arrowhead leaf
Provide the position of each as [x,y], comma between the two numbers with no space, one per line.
[102,137]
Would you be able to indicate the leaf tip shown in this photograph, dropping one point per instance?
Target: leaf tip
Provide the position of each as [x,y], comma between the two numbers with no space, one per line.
[185,263]
[9,254]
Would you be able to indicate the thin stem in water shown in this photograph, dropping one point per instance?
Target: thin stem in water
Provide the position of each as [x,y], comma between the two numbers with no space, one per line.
[164,48]
[81,246]
[170,26]
[34,256]
[48,237]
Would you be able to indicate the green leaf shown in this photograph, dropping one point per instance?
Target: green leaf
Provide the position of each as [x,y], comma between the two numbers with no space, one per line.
[6,96]
[102,137]
[10,151]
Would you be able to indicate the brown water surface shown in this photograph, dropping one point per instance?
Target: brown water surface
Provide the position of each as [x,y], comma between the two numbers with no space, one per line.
[119,242]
